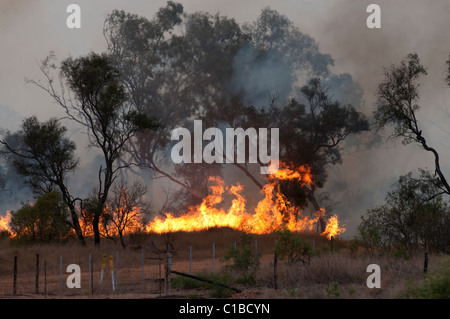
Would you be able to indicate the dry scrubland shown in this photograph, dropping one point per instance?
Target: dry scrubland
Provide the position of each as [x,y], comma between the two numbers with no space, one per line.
[337,274]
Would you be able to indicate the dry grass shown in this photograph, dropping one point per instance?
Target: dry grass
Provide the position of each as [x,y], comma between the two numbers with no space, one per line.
[341,269]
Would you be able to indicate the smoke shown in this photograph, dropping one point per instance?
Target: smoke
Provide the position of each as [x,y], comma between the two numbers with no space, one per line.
[257,79]
[366,175]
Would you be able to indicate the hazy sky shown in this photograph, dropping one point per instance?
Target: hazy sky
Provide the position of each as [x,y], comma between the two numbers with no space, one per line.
[29,30]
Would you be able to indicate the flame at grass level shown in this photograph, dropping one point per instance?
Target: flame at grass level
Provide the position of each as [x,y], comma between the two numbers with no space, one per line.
[332,228]
[4,221]
[273,212]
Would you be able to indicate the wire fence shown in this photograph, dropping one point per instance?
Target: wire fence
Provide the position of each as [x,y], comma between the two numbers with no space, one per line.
[100,273]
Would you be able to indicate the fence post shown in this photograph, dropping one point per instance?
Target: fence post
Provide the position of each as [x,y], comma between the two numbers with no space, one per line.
[45,278]
[15,276]
[168,269]
[117,265]
[142,264]
[190,259]
[111,267]
[60,274]
[160,278]
[37,274]
[90,270]
[425,264]
[275,265]
[91,265]
[214,255]
[331,243]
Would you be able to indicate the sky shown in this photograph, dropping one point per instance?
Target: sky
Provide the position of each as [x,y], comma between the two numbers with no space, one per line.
[29,30]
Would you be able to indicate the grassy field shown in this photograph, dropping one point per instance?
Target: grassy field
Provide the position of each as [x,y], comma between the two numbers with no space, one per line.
[337,273]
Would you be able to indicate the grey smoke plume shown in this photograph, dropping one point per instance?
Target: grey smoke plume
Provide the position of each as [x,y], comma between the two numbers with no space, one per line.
[406,27]
[348,55]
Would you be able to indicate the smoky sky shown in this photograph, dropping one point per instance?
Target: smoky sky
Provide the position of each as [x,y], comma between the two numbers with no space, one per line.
[29,30]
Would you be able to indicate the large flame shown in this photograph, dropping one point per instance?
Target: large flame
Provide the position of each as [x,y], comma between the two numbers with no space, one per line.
[4,222]
[272,212]
[333,228]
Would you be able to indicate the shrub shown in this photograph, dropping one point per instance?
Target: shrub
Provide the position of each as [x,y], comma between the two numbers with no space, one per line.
[215,291]
[245,261]
[333,290]
[292,248]
[415,214]
[45,221]
[436,285]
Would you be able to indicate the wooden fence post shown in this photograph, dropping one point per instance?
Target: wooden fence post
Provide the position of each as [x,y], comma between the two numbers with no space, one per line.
[15,276]
[60,274]
[214,256]
[142,264]
[331,243]
[45,278]
[37,274]
[90,271]
[425,264]
[190,259]
[168,269]
[91,265]
[160,278]
[275,272]
[117,266]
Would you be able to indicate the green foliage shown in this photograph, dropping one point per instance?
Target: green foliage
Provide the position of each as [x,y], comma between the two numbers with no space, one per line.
[333,290]
[245,260]
[292,248]
[415,214]
[43,222]
[397,105]
[215,291]
[401,253]
[354,246]
[41,153]
[219,291]
[397,98]
[369,234]
[187,283]
[436,285]
[291,292]
[218,69]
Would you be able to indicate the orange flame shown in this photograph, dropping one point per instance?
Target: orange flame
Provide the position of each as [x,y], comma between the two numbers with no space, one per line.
[4,222]
[332,228]
[271,213]
[129,222]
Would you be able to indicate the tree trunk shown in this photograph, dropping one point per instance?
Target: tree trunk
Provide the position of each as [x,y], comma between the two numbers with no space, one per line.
[121,240]
[312,199]
[95,228]
[76,225]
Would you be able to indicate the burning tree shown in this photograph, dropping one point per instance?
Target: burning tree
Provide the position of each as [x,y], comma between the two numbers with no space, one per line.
[219,71]
[231,75]
[92,95]
[126,210]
